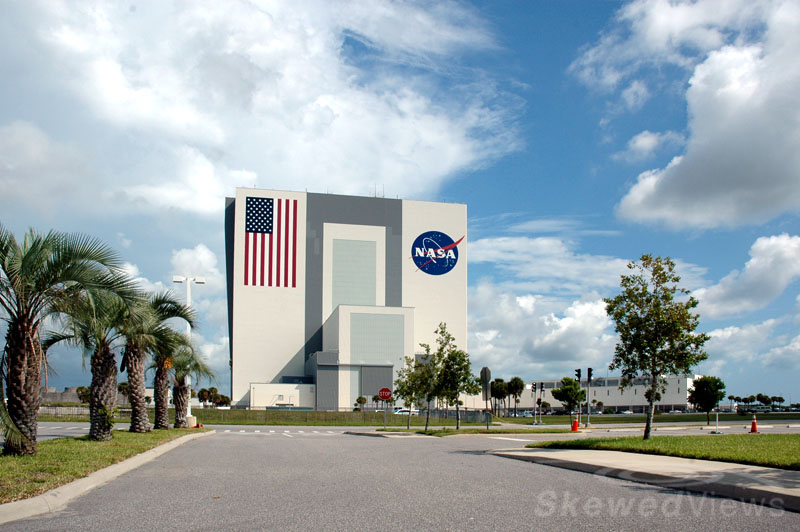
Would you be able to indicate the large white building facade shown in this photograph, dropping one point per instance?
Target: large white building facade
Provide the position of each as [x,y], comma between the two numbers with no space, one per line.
[328,294]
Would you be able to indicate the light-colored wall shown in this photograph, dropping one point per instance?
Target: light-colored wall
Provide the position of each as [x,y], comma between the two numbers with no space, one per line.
[269,328]
[272,395]
[435,298]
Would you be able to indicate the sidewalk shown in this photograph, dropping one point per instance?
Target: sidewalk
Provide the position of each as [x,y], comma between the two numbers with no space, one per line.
[778,488]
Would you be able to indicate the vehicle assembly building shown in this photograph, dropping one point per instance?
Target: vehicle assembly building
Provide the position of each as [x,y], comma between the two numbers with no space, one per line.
[328,294]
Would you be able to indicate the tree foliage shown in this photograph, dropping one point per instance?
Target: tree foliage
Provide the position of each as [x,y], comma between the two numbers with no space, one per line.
[498,389]
[656,326]
[515,388]
[706,393]
[455,374]
[570,394]
[36,273]
[414,384]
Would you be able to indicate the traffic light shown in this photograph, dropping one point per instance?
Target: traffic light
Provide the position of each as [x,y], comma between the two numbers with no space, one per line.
[589,375]
[578,375]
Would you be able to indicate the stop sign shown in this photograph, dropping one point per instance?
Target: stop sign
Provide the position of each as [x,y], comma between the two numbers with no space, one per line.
[385,394]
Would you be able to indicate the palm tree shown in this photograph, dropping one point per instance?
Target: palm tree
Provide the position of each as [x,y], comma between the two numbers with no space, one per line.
[35,274]
[185,363]
[96,322]
[165,349]
[142,337]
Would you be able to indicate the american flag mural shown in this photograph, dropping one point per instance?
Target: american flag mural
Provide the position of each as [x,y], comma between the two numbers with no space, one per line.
[270,242]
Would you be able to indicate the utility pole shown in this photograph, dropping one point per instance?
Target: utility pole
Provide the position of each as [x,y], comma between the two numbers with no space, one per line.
[188,281]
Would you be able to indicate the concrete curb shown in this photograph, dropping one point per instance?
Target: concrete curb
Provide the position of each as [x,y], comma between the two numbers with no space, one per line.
[719,484]
[388,434]
[59,497]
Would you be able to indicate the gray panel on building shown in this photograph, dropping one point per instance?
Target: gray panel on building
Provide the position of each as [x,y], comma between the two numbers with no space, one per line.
[353,281]
[327,388]
[373,378]
[376,339]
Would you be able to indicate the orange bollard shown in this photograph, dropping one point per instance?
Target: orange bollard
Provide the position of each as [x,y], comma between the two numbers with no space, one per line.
[754,426]
[575,424]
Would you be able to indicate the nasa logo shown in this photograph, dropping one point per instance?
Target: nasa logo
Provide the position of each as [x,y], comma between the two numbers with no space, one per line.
[435,253]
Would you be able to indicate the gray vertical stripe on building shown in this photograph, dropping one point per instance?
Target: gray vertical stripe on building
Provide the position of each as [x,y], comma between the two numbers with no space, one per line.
[327,388]
[230,225]
[325,208]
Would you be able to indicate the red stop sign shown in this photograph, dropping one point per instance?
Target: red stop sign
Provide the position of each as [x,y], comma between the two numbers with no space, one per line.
[385,394]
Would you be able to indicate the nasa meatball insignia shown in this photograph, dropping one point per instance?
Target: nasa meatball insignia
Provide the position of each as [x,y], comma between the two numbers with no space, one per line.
[435,253]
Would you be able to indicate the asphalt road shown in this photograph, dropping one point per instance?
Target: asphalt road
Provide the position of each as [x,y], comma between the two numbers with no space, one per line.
[324,479]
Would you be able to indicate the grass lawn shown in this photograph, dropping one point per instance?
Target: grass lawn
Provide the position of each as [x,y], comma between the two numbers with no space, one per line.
[63,460]
[658,418]
[474,430]
[769,450]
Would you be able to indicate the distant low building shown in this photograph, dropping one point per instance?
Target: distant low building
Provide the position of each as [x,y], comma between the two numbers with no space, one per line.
[606,390]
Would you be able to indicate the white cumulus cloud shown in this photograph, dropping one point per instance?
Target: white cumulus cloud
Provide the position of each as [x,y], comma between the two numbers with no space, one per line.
[774,263]
[740,164]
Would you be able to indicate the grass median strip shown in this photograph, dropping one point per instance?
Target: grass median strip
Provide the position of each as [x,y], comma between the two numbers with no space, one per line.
[768,450]
[63,460]
[454,432]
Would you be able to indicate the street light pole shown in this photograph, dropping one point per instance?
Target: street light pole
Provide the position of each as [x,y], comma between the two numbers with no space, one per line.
[188,281]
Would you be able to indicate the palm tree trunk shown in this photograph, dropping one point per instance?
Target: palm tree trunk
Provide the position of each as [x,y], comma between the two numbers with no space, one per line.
[161,393]
[103,394]
[180,397]
[23,382]
[136,392]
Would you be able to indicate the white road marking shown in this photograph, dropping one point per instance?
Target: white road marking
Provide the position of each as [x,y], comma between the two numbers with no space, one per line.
[241,431]
[227,430]
[258,431]
[508,439]
[288,435]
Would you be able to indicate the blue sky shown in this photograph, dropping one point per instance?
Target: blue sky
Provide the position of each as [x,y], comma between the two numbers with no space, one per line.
[580,134]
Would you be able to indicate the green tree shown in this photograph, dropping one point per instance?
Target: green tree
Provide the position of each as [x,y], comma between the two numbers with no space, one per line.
[498,389]
[221,400]
[35,274]
[705,394]
[570,394]
[656,331]
[142,332]
[167,345]
[411,384]
[455,373]
[360,402]
[427,369]
[93,321]
[764,399]
[123,388]
[185,363]
[83,394]
[515,388]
